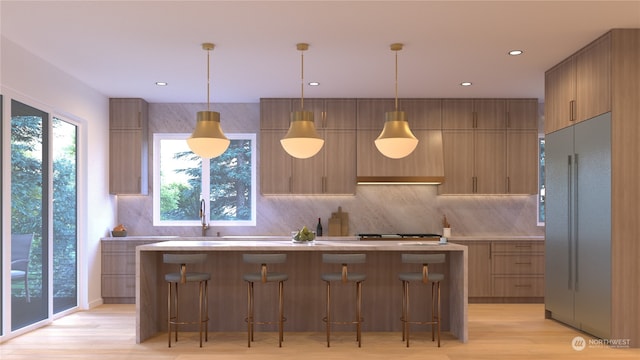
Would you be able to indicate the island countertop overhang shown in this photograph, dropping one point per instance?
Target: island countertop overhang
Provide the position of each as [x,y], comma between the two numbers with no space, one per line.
[284,245]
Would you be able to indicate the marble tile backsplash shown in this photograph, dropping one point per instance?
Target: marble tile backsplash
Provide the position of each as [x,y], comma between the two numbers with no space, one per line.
[374,208]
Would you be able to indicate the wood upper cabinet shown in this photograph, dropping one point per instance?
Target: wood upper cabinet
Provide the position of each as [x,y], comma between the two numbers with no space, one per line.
[423,114]
[475,162]
[458,162]
[330,113]
[473,113]
[490,162]
[522,114]
[490,146]
[275,114]
[371,113]
[522,162]
[425,162]
[331,171]
[579,88]
[126,113]
[128,146]
[275,164]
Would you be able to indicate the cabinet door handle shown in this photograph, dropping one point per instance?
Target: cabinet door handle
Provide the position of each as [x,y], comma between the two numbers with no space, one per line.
[508,185]
[575,222]
[523,246]
[522,286]
[569,229]
[572,110]
[523,263]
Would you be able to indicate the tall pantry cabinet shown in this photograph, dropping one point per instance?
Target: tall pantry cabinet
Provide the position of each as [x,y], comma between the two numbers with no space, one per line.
[592,194]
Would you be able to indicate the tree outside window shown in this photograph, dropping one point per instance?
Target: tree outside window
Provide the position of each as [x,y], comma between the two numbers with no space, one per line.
[229,186]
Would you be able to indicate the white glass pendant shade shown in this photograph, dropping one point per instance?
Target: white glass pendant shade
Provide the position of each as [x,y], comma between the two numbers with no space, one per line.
[396,140]
[208,140]
[302,140]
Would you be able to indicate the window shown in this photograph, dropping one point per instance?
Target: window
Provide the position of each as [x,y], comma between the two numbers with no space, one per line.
[229,187]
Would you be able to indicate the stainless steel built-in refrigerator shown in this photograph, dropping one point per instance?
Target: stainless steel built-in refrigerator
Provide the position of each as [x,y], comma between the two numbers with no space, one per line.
[578,225]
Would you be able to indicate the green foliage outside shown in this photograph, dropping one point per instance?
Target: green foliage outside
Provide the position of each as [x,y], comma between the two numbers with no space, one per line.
[28,208]
[230,186]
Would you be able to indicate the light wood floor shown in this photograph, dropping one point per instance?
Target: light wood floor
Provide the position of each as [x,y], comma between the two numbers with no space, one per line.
[496,331]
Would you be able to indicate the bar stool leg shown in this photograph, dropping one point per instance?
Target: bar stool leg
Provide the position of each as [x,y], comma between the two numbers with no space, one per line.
[200,293]
[206,310]
[280,312]
[249,313]
[359,313]
[177,306]
[169,312]
[328,313]
[407,320]
[438,290]
[433,311]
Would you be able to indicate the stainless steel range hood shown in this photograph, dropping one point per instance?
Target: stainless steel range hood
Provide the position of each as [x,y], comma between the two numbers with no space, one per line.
[424,166]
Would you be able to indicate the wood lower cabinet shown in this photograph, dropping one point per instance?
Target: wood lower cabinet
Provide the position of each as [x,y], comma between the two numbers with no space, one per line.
[119,270]
[505,270]
[517,269]
[479,264]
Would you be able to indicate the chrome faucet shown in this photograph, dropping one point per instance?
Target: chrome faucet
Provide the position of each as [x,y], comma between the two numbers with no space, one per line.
[203,217]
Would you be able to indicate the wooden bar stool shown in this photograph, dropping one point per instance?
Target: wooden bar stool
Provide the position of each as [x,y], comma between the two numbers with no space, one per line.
[345,276]
[264,277]
[425,277]
[183,277]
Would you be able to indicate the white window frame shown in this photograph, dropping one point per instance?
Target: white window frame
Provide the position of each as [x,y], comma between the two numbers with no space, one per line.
[157,138]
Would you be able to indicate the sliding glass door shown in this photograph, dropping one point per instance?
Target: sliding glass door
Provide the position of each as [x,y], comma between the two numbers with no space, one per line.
[29,220]
[65,215]
[44,218]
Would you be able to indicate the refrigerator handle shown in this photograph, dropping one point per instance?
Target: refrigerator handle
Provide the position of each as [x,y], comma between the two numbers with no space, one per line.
[576,200]
[569,228]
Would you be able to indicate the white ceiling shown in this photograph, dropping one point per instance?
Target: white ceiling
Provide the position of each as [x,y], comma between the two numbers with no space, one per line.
[121,48]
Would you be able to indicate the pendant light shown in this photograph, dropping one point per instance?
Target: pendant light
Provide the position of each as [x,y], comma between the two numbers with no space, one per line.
[302,140]
[208,140]
[396,140]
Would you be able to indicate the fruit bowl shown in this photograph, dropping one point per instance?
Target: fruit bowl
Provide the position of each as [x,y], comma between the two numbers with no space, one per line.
[121,233]
[303,236]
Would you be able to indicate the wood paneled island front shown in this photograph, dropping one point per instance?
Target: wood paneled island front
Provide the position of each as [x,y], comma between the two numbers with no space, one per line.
[304,292]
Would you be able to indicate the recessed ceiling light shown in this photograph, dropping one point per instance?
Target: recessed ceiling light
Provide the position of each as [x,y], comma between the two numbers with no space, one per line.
[466,83]
[516,52]
[161,83]
[314,83]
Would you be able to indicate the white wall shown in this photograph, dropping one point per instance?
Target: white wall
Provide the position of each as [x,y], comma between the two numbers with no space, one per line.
[32,80]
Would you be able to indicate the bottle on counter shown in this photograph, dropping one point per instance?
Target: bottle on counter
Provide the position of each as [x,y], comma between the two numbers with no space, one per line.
[319,228]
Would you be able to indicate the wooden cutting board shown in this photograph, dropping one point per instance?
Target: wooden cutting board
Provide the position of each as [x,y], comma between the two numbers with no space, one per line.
[339,223]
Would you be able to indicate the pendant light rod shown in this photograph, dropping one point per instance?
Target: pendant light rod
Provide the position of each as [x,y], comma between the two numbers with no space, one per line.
[302,47]
[208,47]
[396,47]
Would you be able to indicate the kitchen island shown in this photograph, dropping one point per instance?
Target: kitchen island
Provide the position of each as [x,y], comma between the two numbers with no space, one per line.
[304,291]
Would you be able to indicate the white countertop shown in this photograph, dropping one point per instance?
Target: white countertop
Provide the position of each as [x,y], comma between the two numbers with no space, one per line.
[321,238]
[287,245]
